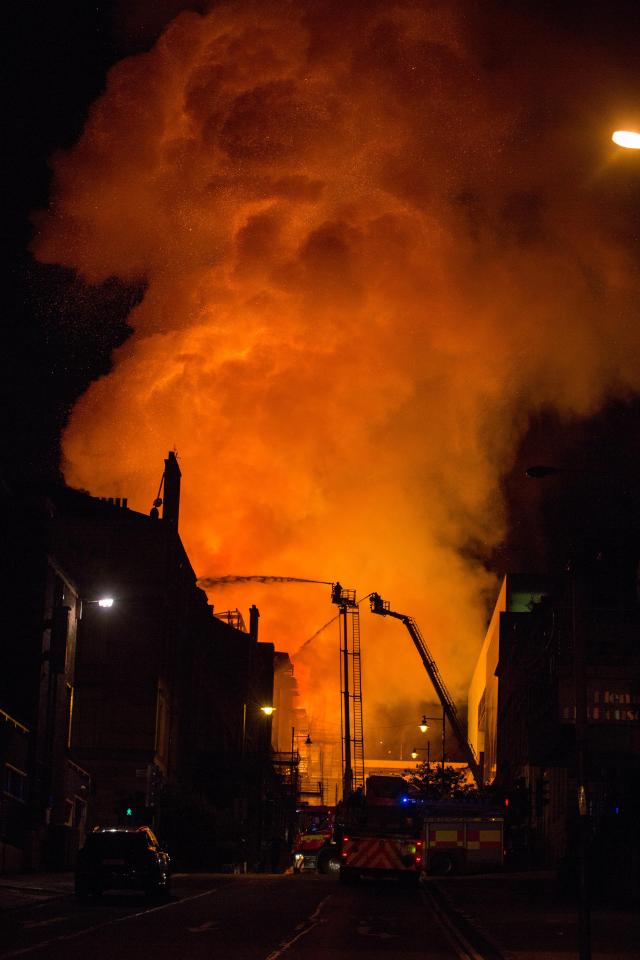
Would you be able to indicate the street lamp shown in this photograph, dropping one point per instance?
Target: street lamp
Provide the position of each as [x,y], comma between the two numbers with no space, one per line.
[105,602]
[268,712]
[427,750]
[628,139]
[424,726]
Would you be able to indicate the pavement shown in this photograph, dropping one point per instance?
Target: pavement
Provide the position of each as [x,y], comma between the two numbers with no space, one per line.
[27,889]
[507,916]
[534,916]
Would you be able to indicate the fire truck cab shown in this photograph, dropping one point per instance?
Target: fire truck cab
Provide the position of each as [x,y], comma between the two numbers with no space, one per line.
[382,833]
[313,835]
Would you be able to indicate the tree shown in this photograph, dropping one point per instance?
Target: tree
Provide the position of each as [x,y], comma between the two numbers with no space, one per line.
[429,780]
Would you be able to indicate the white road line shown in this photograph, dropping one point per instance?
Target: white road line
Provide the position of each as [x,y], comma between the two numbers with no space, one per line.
[460,944]
[208,925]
[32,924]
[21,951]
[307,925]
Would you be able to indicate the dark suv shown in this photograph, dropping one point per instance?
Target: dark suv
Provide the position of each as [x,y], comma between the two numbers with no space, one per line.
[122,859]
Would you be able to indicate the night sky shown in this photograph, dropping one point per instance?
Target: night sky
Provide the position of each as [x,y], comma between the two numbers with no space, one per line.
[62,329]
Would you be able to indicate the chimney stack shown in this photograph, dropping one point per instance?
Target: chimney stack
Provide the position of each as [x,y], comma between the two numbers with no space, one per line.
[171,500]
[254,616]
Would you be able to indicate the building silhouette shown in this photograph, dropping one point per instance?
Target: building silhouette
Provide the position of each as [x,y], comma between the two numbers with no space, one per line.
[558,649]
[145,711]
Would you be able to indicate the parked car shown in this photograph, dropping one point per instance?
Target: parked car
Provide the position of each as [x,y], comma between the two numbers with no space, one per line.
[122,859]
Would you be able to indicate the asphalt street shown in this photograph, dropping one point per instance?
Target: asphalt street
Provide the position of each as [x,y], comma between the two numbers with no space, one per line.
[245,917]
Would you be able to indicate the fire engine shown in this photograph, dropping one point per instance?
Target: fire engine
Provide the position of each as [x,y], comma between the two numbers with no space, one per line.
[462,838]
[382,832]
[314,834]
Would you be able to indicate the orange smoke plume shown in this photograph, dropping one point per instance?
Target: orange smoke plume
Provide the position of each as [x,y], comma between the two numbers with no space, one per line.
[374,240]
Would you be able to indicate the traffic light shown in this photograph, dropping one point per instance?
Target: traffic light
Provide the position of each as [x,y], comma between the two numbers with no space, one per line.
[131,809]
[127,810]
[516,802]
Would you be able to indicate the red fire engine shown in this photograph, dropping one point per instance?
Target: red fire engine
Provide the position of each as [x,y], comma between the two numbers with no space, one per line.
[314,834]
[383,832]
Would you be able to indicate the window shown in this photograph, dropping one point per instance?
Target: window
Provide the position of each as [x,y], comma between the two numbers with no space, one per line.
[14,783]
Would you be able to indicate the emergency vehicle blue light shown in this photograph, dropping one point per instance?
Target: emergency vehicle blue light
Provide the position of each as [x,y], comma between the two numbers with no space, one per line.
[617,810]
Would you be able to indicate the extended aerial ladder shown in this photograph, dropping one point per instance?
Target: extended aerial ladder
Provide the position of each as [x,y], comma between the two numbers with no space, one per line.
[351,689]
[382,607]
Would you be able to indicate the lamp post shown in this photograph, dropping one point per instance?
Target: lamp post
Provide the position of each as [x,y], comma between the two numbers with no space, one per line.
[427,750]
[56,745]
[268,711]
[424,726]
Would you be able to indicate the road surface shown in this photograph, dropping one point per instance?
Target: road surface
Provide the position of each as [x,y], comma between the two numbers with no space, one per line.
[243,917]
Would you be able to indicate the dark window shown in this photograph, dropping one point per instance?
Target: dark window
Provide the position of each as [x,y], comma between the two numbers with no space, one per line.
[14,783]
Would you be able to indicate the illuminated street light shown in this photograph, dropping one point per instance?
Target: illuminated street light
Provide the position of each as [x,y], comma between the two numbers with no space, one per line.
[628,139]
[105,603]
[417,750]
[424,726]
[267,710]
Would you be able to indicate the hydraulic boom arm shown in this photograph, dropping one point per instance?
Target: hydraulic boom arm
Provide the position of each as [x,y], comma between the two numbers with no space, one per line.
[380,606]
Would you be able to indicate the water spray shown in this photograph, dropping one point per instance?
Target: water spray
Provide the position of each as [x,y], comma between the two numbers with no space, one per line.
[206,582]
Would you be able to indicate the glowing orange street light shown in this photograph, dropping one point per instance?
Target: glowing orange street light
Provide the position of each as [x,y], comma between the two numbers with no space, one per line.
[628,139]
[268,710]
[417,750]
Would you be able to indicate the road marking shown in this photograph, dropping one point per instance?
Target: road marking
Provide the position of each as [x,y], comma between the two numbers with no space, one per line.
[460,944]
[21,951]
[32,924]
[307,926]
[207,925]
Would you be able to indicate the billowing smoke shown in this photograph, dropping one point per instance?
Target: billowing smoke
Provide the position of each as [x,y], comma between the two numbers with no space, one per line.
[375,237]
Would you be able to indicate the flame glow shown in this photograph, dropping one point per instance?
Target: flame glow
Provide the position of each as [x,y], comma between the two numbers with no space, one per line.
[372,247]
